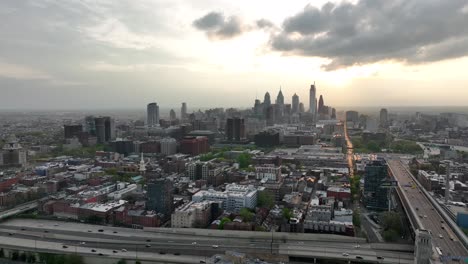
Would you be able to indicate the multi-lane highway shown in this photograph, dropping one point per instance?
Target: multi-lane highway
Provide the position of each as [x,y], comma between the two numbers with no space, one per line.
[442,236]
[162,243]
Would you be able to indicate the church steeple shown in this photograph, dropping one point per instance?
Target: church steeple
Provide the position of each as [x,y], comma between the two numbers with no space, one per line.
[142,165]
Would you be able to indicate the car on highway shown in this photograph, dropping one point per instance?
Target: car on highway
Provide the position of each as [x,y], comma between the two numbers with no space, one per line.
[83,243]
[93,250]
[359,257]
[194,243]
[380,257]
[101,230]
[147,245]
[345,254]
[425,216]
[177,254]
[114,251]
[215,246]
[115,232]
[357,246]
[23,229]
[441,221]
[10,234]
[100,254]
[202,261]
[46,231]
[123,250]
[440,236]
[148,240]
[64,246]
[162,252]
[89,231]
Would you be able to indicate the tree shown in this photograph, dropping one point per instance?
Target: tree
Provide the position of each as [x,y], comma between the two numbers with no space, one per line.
[15,255]
[391,221]
[122,261]
[223,221]
[244,160]
[287,213]
[356,218]
[265,200]
[22,257]
[137,262]
[373,146]
[2,253]
[246,214]
[74,259]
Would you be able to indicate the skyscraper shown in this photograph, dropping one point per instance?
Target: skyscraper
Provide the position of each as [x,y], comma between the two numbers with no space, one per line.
[172,115]
[12,154]
[160,197]
[152,114]
[312,100]
[235,129]
[280,98]
[301,108]
[375,174]
[266,100]
[383,118]
[168,146]
[321,105]
[295,103]
[183,111]
[105,130]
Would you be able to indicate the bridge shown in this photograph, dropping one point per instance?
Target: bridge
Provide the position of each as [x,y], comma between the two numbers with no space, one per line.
[425,213]
[18,209]
[155,244]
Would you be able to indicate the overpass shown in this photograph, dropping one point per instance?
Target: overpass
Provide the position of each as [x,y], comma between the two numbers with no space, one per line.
[18,209]
[152,243]
[424,213]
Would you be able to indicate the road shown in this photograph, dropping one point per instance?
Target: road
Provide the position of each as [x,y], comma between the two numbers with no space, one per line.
[427,214]
[349,151]
[140,243]
[18,209]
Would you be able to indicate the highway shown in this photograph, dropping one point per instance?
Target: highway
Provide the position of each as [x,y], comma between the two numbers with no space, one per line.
[178,243]
[427,214]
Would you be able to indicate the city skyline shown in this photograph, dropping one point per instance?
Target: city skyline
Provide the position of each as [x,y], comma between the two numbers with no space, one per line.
[108,54]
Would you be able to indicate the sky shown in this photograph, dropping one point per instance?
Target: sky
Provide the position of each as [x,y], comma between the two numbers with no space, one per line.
[102,54]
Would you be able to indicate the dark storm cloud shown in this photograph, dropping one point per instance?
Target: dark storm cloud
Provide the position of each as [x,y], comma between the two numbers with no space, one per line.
[415,31]
[217,26]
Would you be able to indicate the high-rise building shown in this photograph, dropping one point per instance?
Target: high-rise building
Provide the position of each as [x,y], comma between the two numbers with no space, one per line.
[301,108]
[266,100]
[321,105]
[258,110]
[312,100]
[333,113]
[71,131]
[105,130]
[270,115]
[295,103]
[160,197]
[280,98]
[152,115]
[168,146]
[172,115]
[375,174]
[383,118]
[235,129]
[12,154]
[90,125]
[352,116]
[183,111]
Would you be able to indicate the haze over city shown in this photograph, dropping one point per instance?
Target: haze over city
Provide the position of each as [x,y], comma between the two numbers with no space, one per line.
[124,54]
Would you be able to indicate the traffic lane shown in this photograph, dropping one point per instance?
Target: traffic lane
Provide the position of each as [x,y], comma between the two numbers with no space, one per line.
[58,247]
[432,221]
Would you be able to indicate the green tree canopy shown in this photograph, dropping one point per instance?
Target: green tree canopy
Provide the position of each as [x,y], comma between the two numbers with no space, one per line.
[246,214]
[265,200]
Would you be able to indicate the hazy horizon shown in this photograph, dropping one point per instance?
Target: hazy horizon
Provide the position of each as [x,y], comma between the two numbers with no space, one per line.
[107,54]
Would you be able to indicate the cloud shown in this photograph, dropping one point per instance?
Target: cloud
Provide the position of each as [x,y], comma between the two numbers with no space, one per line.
[217,26]
[264,23]
[409,31]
